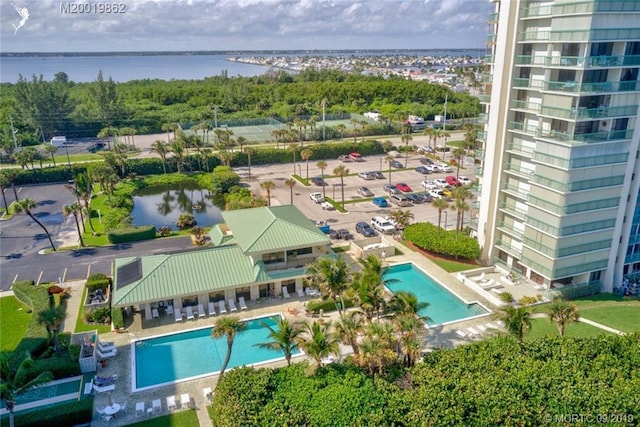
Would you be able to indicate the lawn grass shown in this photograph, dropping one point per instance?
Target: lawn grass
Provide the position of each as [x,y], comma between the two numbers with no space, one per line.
[81,326]
[544,328]
[179,419]
[100,239]
[451,266]
[13,322]
[61,159]
[611,310]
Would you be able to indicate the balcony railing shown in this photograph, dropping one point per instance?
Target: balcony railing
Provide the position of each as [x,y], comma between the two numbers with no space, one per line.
[514,190]
[491,38]
[600,87]
[505,246]
[589,113]
[520,127]
[484,98]
[513,210]
[483,117]
[489,59]
[520,149]
[492,18]
[585,138]
[579,61]
[513,168]
[478,170]
[593,35]
[520,82]
[509,229]
[481,136]
[479,154]
[582,7]
[525,105]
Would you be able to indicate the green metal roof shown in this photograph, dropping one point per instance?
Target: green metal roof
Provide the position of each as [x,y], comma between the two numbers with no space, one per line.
[219,236]
[273,228]
[168,276]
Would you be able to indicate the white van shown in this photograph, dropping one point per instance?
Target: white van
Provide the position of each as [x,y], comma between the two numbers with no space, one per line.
[58,141]
[400,200]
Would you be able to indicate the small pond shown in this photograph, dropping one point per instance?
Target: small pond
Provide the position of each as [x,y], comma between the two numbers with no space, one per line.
[162,205]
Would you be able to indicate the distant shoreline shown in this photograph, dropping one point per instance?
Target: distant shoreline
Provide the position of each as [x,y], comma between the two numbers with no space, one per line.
[227,52]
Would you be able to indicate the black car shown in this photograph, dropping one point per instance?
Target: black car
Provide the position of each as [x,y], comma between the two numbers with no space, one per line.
[423,170]
[378,174]
[341,234]
[365,229]
[318,180]
[426,161]
[425,196]
[416,198]
[96,147]
[396,164]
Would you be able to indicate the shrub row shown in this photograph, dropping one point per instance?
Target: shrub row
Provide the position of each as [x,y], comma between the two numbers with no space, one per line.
[35,340]
[116,317]
[448,243]
[75,412]
[145,232]
[327,305]
[93,285]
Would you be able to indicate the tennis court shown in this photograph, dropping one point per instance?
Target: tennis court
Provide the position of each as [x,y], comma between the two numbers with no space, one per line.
[50,393]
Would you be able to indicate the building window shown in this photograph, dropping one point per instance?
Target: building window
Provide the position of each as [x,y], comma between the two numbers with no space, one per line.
[273,258]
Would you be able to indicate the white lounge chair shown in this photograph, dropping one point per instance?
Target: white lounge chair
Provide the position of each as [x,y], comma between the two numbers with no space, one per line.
[169,310]
[482,328]
[140,410]
[208,394]
[123,407]
[301,293]
[491,325]
[201,312]
[221,307]
[107,354]
[461,334]
[178,315]
[185,401]
[474,332]
[88,387]
[103,389]
[232,305]
[190,313]
[171,403]
[156,406]
[154,313]
[212,309]
[500,323]
[106,345]
[243,304]
[285,292]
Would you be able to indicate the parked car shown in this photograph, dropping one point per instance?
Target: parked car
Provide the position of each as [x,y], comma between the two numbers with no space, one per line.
[378,174]
[448,191]
[440,182]
[426,149]
[423,170]
[433,168]
[316,197]
[367,176]
[394,154]
[391,189]
[443,167]
[365,229]
[96,147]
[327,206]
[364,192]
[345,158]
[437,194]
[464,180]
[318,180]
[429,185]
[380,202]
[356,157]
[341,234]
[452,180]
[425,196]
[382,225]
[426,161]
[403,187]
[416,198]
[400,200]
[396,164]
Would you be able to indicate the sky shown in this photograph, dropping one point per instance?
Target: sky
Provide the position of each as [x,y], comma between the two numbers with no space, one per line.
[179,25]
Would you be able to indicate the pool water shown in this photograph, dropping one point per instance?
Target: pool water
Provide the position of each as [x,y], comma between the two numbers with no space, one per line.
[444,306]
[190,354]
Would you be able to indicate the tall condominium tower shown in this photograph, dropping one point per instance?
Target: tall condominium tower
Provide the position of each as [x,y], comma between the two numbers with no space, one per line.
[558,201]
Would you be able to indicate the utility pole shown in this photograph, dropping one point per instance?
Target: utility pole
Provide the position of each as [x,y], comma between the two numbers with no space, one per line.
[13,134]
[324,104]
[444,122]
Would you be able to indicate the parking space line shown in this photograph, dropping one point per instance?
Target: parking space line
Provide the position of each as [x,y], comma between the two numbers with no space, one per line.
[15,279]
[64,275]
[39,277]
[88,270]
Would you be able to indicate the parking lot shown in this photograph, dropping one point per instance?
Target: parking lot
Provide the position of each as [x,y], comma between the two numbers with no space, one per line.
[360,211]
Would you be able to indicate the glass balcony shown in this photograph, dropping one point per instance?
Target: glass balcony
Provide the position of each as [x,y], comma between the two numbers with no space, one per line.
[521,128]
[485,98]
[475,205]
[479,155]
[483,118]
[601,87]
[481,136]
[478,171]
[585,138]
[516,170]
[492,18]
[487,78]
[525,105]
[506,247]
[491,38]
[589,113]
[520,149]
[528,36]
[585,35]
[581,7]
[519,82]
[509,229]
[515,191]
[511,209]
[473,223]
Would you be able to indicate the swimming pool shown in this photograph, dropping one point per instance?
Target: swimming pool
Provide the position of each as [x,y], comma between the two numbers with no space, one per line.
[444,306]
[192,354]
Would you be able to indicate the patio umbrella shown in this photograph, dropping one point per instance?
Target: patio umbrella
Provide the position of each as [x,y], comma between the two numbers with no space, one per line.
[110,399]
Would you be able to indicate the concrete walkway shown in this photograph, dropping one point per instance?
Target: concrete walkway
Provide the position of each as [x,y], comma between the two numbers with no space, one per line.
[600,326]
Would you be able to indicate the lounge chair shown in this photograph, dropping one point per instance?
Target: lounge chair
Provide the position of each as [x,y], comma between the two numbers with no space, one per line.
[190,313]
[88,387]
[474,332]
[222,307]
[154,313]
[285,292]
[482,328]
[208,394]
[461,334]
[491,325]
[185,401]
[301,293]
[169,310]
[123,407]
[156,406]
[232,305]
[171,403]
[178,315]
[140,410]
[212,309]
[500,323]
[107,354]
[106,345]
[243,304]
[201,312]
[104,389]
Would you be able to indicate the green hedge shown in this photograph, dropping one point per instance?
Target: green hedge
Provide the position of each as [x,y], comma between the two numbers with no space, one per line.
[433,239]
[145,232]
[117,317]
[36,339]
[63,414]
[93,285]
[327,305]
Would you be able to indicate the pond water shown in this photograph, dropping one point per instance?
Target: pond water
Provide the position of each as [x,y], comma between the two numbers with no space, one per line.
[162,205]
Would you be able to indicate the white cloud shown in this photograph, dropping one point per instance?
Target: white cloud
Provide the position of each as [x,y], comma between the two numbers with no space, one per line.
[248,24]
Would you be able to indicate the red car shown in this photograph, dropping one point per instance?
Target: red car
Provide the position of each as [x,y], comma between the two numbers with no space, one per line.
[452,180]
[404,187]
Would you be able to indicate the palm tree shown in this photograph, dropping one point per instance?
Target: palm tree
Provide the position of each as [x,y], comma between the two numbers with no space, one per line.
[16,381]
[170,127]
[405,302]
[4,182]
[77,194]
[227,326]
[306,155]
[242,141]
[268,186]
[249,152]
[341,129]
[460,194]
[341,171]
[354,122]
[401,217]
[331,276]
[25,205]
[430,133]
[283,337]
[406,138]
[389,159]
[293,148]
[441,205]
[458,154]
[411,332]
[517,321]
[322,165]
[51,149]
[376,349]
[177,147]
[318,342]
[162,150]
[52,318]
[290,182]
[563,313]
[225,157]
[74,209]
[84,186]
[368,285]
[348,328]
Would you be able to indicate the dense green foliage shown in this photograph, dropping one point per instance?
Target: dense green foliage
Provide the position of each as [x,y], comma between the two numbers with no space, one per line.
[134,234]
[327,304]
[93,284]
[75,412]
[117,317]
[493,382]
[448,243]
[223,178]
[35,339]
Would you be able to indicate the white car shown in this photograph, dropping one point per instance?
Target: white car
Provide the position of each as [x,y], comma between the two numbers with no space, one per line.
[444,167]
[327,206]
[316,197]
[432,168]
[464,180]
[440,182]
[382,225]
[437,194]
[429,185]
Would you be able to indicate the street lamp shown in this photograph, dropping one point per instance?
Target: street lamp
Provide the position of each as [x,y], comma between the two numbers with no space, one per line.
[445,219]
